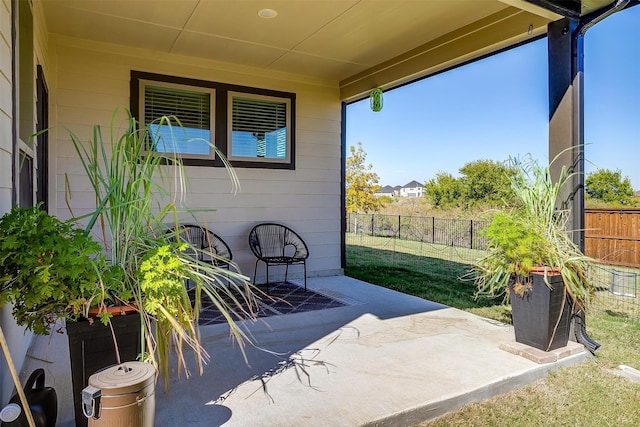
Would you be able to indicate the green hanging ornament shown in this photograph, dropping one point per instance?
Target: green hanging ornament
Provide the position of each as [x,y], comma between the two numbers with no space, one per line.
[375,98]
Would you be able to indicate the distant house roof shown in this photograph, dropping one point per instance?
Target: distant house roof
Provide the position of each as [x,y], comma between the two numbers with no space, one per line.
[413,184]
[397,187]
[387,189]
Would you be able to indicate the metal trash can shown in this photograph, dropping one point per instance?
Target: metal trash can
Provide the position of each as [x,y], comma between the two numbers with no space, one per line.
[121,395]
[623,283]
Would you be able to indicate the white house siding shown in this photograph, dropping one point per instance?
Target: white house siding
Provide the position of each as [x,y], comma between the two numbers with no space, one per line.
[18,341]
[411,192]
[5,107]
[9,328]
[90,80]
[15,339]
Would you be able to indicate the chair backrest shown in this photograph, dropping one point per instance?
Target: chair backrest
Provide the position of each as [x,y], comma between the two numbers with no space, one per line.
[276,240]
[203,242]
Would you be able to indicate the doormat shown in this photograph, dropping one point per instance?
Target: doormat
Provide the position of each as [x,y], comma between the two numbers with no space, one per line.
[283,298]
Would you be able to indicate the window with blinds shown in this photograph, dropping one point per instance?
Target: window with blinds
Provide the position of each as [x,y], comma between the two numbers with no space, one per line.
[259,128]
[251,127]
[189,130]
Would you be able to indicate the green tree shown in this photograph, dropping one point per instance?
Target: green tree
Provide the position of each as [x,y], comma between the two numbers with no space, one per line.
[361,183]
[444,190]
[486,182]
[608,186]
[482,182]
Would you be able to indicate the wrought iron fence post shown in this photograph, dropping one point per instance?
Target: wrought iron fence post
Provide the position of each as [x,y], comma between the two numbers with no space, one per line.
[372,220]
[433,229]
[399,225]
[470,234]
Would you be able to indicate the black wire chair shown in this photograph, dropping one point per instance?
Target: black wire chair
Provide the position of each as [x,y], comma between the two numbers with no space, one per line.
[203,245]
[277,244]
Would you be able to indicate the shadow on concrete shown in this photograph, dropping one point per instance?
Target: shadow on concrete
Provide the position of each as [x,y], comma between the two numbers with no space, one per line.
[288,343]
[386,359]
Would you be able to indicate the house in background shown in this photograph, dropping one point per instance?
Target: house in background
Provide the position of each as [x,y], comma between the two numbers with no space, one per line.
[268,87]
[412,189]
[387,190]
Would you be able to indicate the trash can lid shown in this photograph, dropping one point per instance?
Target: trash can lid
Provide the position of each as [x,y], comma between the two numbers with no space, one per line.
[129,377]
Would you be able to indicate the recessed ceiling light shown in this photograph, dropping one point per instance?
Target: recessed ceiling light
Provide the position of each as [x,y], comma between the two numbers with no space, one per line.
[267,13]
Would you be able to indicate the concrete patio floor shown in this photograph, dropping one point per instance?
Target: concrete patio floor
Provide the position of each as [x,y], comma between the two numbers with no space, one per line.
[388,359]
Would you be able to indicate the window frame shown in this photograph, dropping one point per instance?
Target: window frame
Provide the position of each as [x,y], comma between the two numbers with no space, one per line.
[143,83]
[230,156]
[23,108]
[221,115]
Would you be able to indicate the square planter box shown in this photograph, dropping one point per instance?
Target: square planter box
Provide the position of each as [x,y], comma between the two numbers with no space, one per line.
[91,349]
[536,314]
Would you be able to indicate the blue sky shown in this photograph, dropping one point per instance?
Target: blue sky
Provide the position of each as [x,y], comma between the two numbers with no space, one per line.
[498,107]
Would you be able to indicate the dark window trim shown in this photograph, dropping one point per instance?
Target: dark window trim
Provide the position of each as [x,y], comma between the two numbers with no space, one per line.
[42,152]
[221,115]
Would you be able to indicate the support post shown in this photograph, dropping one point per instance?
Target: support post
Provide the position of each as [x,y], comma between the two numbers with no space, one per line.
[566,116]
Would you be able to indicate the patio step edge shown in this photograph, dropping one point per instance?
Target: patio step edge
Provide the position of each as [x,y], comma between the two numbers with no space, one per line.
[435,409]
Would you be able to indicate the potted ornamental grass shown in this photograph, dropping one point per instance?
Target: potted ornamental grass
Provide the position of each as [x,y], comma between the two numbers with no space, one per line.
[138,196]
[121,254]
[533,261]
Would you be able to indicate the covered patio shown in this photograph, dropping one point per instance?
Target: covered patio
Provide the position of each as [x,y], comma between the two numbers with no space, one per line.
[383,359]
[386,358]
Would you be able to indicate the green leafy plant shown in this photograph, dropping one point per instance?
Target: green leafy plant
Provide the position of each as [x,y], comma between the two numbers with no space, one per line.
[49,269]
[138,197]
[533,234]
[517,241]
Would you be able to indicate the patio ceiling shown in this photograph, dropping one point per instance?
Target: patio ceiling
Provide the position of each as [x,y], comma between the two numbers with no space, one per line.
[361,44]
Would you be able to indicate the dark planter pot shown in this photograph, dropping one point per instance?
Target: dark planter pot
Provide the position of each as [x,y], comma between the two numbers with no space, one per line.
[536,314]
[91,348]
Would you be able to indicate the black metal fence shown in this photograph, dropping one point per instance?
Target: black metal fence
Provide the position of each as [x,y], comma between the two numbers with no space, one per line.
[426,244]
[461,233]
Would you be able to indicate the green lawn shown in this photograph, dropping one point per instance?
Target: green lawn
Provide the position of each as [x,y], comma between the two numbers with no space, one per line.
[589,394]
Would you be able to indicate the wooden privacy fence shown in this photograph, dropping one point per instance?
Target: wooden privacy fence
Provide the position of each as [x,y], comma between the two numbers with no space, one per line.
[613,236]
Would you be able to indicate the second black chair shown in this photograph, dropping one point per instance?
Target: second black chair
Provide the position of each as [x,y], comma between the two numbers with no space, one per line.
[277,244]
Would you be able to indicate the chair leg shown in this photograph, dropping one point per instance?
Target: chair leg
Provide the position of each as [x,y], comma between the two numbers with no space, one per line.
[304,264]
[267,264]
[286,273]
[255,271]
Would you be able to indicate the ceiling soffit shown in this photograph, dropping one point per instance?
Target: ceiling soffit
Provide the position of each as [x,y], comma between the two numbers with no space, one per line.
[359,43]
[500,30]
